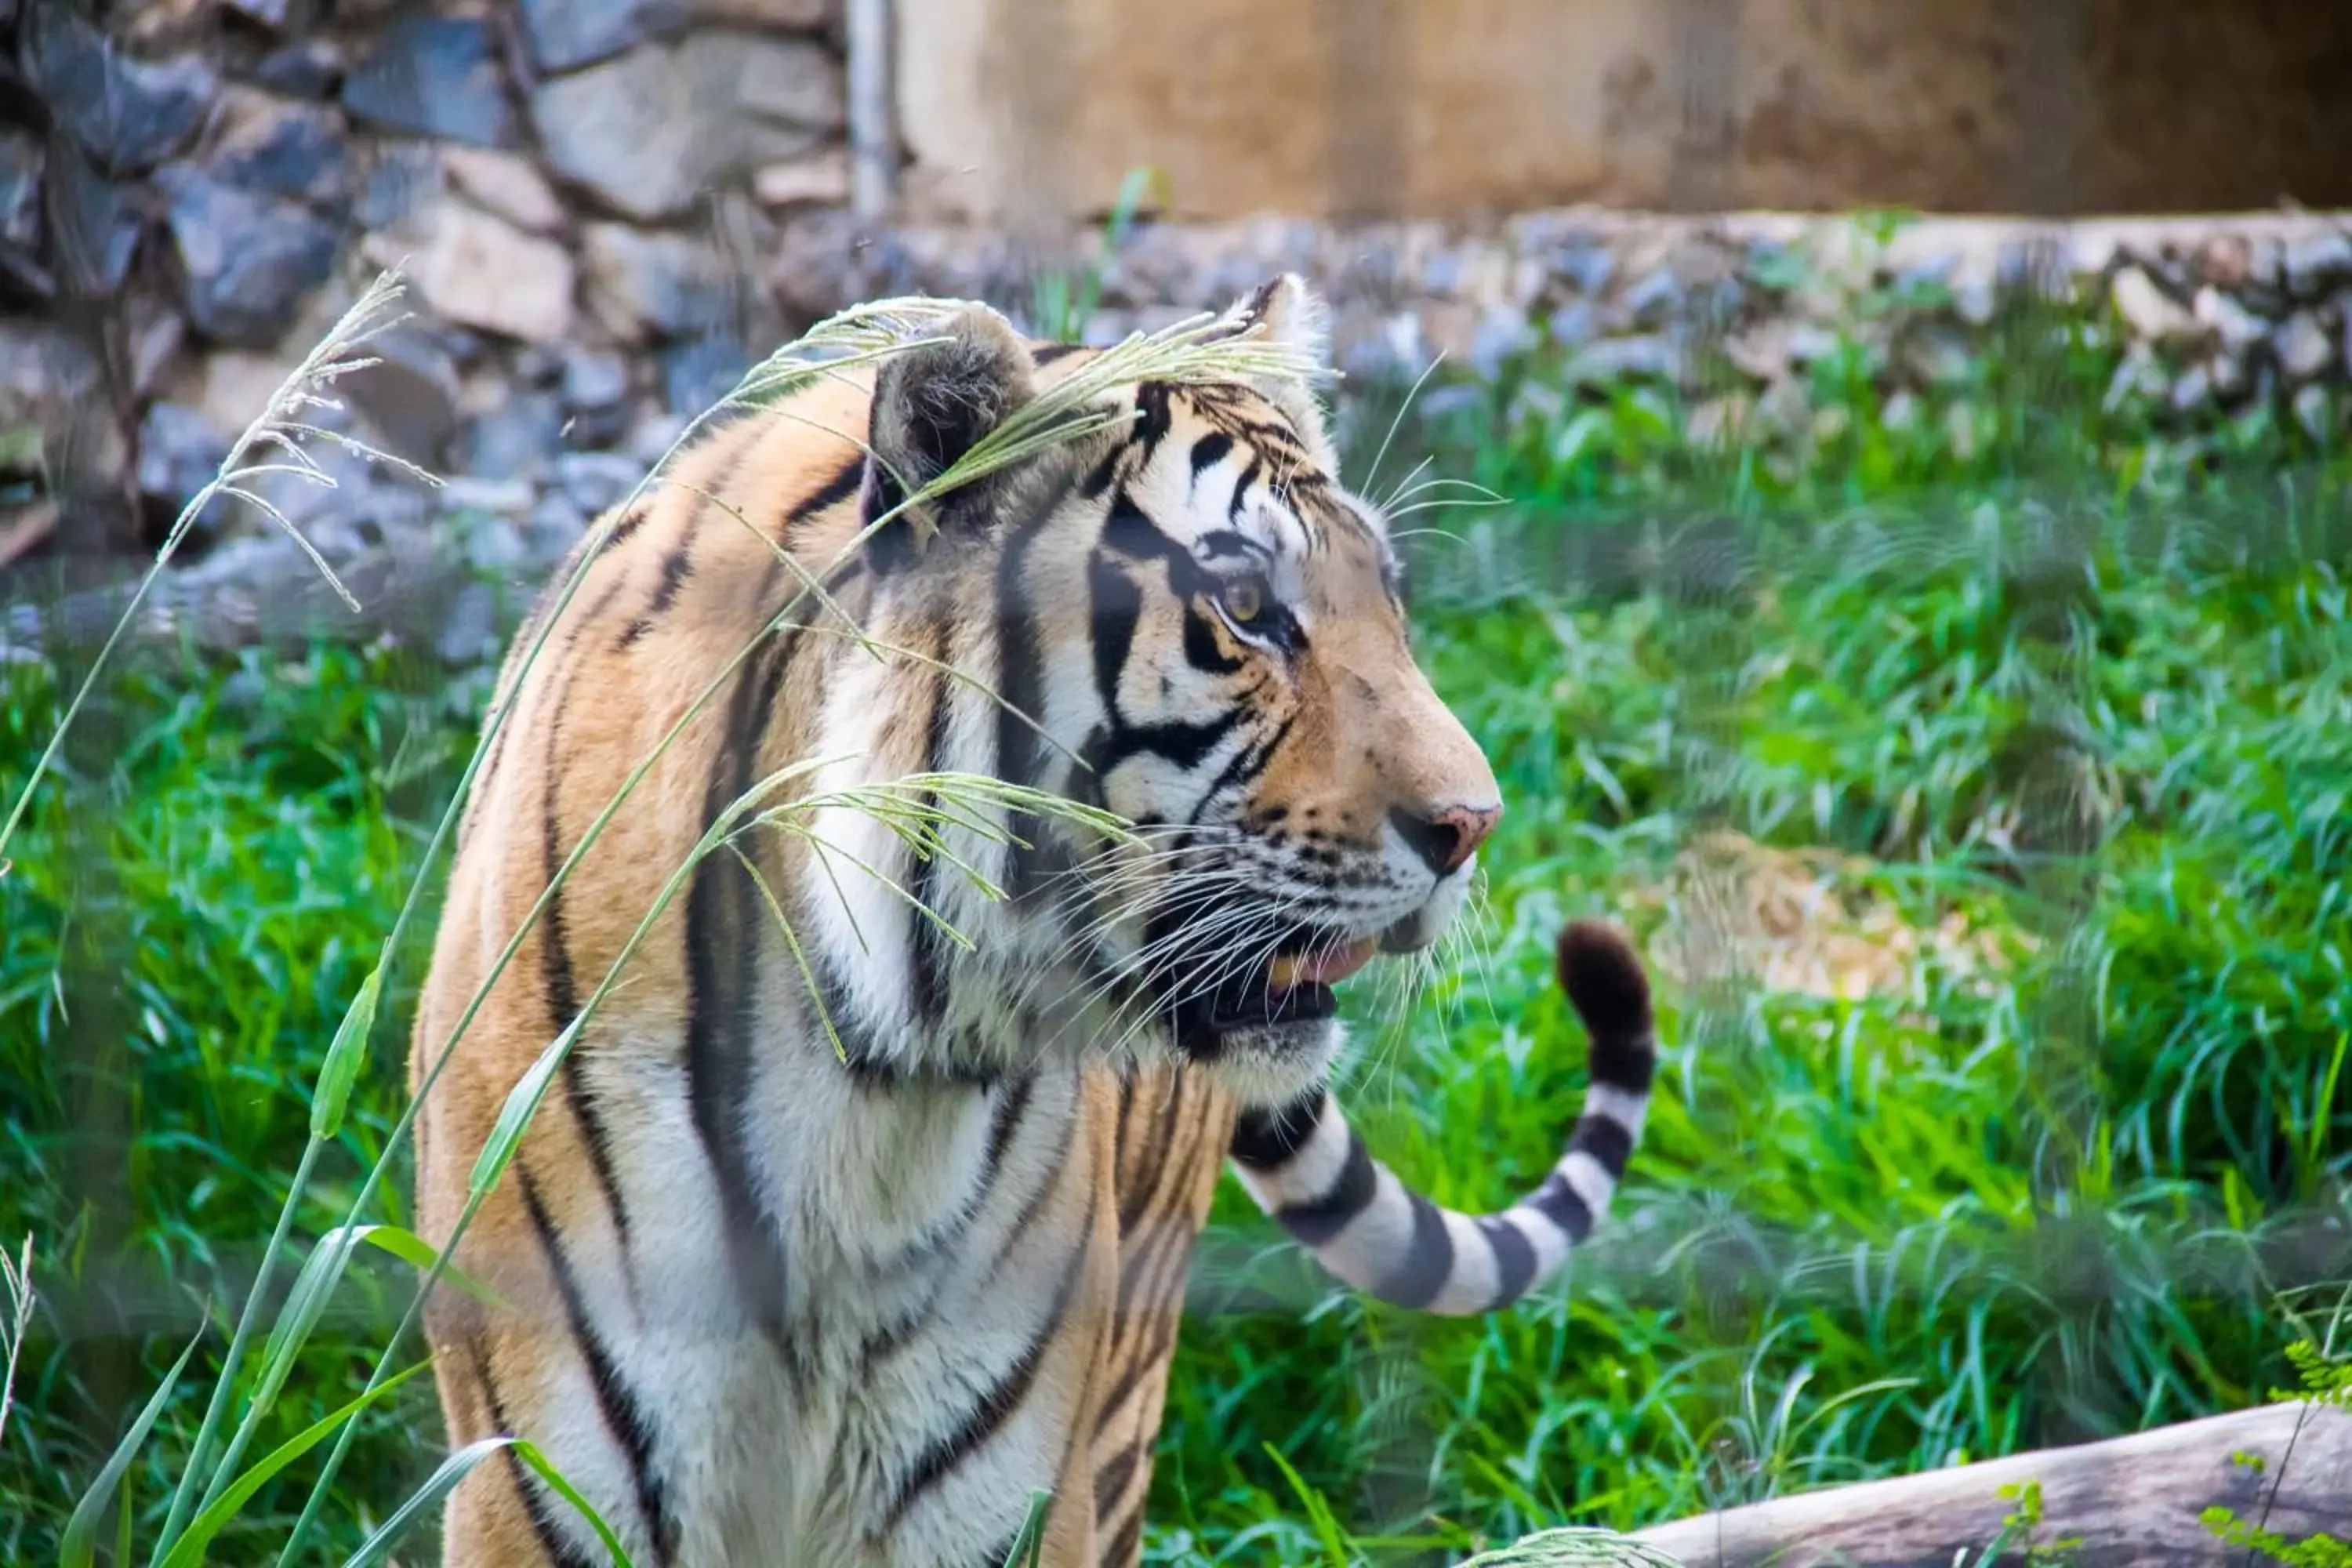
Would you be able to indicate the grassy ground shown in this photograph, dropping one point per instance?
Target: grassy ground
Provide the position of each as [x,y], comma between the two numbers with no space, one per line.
[2030,745]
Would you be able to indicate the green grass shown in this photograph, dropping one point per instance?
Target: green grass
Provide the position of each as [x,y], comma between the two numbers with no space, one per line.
[2083,684]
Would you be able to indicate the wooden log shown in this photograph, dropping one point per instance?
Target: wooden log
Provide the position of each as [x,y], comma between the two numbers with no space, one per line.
[2132,1501]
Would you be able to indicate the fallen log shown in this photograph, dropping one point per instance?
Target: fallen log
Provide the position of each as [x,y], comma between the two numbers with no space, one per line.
[2130,1502]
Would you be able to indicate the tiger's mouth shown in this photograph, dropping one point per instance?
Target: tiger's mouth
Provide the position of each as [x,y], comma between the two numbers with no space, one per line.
[1296,985]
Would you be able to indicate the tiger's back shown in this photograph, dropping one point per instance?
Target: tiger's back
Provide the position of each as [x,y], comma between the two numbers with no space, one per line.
[839,1232]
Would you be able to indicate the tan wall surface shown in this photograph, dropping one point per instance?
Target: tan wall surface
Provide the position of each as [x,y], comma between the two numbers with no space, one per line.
[1015,109]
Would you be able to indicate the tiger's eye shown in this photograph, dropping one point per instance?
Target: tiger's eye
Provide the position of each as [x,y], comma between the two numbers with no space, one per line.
[1244,600]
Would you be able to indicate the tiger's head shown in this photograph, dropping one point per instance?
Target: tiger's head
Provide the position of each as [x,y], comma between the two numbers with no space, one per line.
[1209,632]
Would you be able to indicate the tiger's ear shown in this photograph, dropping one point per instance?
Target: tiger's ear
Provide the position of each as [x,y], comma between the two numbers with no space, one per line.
[1288,314]
[931,405]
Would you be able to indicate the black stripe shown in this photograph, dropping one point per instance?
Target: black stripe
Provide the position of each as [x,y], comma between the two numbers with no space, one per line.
[1428,1261]
[1012,1105]
[675,568]
[1137,1197]
[1146,1278]
[1116,604]
[562,986]
[1184,744]
[1209,451]
[843,485]
[1248,762]
[894,1337]
[1606,1141]
[1046,353]
[1154,416]
[1021,685]
[1557,1202]
[926,956]
[1112,1476]
[1127,1546]
[623,1415]
[552,1542]
[997,1406]
[1267,1139]
[1202,650]
[1319,1219]
[721,917]
[1241,489]
[1515,1257]
[631,520]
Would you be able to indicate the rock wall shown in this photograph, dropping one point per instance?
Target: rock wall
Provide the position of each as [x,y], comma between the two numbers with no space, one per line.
[608,207]
[581,192]
[2204,318]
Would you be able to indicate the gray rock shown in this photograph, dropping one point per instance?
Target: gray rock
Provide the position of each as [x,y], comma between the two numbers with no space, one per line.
[93,228]
[642,285]
[594,380]
[469,629]
[409,395]
[277,15]
[519,435]
[1572,324]
[2236,328]
[1587,268]
[568,33]
[1623,359]
[699,372]
[20,188]
[1653,297]
[179,453]
[249,260]
[650,131]
[1939,356]
[492,498]
[2193,391]
[652,434]
[402,178]
[595,480]
[154,331]
[434,76]
[2147,309]
[481,271]
[128,114]
[1502,333]
[595,397]
[292,150]
[539,365]
[310,68]
[2304,349]
[555,526]
[2315,262]
[2315,410]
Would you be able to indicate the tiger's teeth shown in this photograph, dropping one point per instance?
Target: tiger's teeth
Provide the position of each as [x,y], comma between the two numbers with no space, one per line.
[1284,976]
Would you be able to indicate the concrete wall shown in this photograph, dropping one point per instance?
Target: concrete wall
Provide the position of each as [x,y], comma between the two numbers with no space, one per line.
[1035,109]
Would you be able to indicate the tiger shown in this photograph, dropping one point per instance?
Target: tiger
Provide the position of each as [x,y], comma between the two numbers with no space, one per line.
[859,1213]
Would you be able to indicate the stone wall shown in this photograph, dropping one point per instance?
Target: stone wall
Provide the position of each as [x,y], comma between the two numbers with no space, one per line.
[607,207]
[2204,318]
[581,193]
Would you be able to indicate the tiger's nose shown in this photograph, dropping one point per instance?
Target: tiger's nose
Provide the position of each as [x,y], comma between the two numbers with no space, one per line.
[1447,838]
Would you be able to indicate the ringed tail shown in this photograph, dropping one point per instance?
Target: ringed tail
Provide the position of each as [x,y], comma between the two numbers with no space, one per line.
[1308,1169]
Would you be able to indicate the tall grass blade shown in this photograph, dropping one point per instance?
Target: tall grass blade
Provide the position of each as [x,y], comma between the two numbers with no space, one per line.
[79,1547]
[189,1550]
[456,1468]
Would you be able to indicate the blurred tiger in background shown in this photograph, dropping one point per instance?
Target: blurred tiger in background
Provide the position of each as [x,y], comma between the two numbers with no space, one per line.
[863,1205]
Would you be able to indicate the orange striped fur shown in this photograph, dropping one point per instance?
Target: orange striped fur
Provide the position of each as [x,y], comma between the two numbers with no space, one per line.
[834,1238]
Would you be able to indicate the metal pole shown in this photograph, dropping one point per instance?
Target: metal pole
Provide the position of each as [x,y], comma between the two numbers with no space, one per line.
[873,137]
